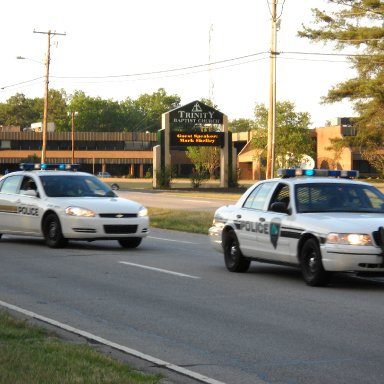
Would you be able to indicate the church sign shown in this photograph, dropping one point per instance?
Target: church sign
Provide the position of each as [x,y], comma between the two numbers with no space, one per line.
[185,139]
[195,113]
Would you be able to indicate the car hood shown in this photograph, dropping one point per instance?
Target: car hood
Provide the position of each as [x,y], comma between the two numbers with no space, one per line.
[342,221]
[98,204]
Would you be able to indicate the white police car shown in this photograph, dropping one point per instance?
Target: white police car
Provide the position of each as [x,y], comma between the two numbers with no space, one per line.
[320,224]
[61,205]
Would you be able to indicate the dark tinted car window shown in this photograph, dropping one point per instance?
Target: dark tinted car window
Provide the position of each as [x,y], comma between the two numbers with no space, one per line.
[333,197]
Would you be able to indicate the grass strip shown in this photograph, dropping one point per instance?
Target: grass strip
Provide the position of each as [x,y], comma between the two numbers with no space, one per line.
[180,220]
[31,355]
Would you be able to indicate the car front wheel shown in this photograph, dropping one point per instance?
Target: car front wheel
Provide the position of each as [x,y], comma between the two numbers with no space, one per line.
[132,242]
[312,266]
[52,232]
[233,258]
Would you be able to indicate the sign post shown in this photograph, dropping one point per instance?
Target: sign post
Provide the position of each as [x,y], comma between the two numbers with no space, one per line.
[189,125]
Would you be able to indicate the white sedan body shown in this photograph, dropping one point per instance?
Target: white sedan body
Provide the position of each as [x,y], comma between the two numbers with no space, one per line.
[349,235]
[97,213]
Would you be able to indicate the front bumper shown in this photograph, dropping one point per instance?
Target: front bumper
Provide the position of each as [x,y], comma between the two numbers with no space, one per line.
[215,237]
[93,228]
[353,258]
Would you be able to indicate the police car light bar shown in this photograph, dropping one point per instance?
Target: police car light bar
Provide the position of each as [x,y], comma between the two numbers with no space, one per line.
[58,167]
[292,172]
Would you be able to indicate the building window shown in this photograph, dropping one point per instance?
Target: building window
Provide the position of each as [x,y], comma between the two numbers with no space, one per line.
[5,144]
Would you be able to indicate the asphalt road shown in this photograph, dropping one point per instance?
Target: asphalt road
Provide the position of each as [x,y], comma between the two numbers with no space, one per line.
[173,299]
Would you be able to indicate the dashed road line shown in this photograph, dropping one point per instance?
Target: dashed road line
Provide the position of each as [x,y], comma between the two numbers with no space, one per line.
[159,270]
[175,241]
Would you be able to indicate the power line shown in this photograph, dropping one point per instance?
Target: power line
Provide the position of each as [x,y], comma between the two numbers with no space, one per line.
[22,82]
[165,70]
[200,67]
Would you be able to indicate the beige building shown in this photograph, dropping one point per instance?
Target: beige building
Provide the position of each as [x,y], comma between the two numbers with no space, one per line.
[131,153]
[250,165]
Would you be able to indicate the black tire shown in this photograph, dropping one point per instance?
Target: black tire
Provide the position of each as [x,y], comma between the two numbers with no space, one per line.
[52,232]
[131,242]
[233,258]
[312,266]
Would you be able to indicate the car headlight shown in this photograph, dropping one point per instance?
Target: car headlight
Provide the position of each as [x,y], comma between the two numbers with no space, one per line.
[78,211]
[349,238]
[218,223]
[142,212]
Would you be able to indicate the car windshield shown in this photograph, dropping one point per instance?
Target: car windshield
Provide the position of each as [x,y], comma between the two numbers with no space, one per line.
[72,185]
[338,197]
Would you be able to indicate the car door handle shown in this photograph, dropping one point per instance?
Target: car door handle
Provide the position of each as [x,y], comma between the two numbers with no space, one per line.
[262,219]
[238,216]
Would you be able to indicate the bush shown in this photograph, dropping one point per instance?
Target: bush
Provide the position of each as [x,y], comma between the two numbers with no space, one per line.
[164,177]
[197,178]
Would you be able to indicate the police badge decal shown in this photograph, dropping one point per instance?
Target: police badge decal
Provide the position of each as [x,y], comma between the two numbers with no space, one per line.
[274,231]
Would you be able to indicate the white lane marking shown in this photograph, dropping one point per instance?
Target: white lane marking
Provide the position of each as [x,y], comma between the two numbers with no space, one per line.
[198,201]
[111,344]
[176,241]
[159,270]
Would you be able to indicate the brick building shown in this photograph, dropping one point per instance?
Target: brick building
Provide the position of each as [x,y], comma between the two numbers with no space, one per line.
[131,153]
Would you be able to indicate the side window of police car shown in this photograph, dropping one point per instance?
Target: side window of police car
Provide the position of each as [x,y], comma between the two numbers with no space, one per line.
[28,185]
[11,184]
[257,198]
[280,199]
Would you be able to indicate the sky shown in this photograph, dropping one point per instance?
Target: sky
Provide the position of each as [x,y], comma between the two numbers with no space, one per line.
[216,49]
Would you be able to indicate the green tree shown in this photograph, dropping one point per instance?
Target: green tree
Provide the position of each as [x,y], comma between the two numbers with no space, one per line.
[134,120]
[241,125]
[151,107]
[96,114]
[205,159]
[292,138]
[20,111]
[358,24]
[57,109]
[336,148]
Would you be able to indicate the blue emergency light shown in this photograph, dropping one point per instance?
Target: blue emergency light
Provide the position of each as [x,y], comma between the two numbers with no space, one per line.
[292,172]
[45,167]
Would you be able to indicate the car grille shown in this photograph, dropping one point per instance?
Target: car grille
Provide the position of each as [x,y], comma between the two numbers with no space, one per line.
[120,229]
[118,215]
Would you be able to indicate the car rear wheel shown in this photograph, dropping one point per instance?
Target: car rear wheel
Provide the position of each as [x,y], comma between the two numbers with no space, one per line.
[312,266]
[52,232]
[233,258]
[132,242]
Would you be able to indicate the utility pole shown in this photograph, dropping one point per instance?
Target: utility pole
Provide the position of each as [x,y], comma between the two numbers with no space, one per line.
[272,99]
[73,114]
[211,85]
[45,118]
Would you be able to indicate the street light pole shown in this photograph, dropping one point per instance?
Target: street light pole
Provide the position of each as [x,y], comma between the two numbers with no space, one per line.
[45,118]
